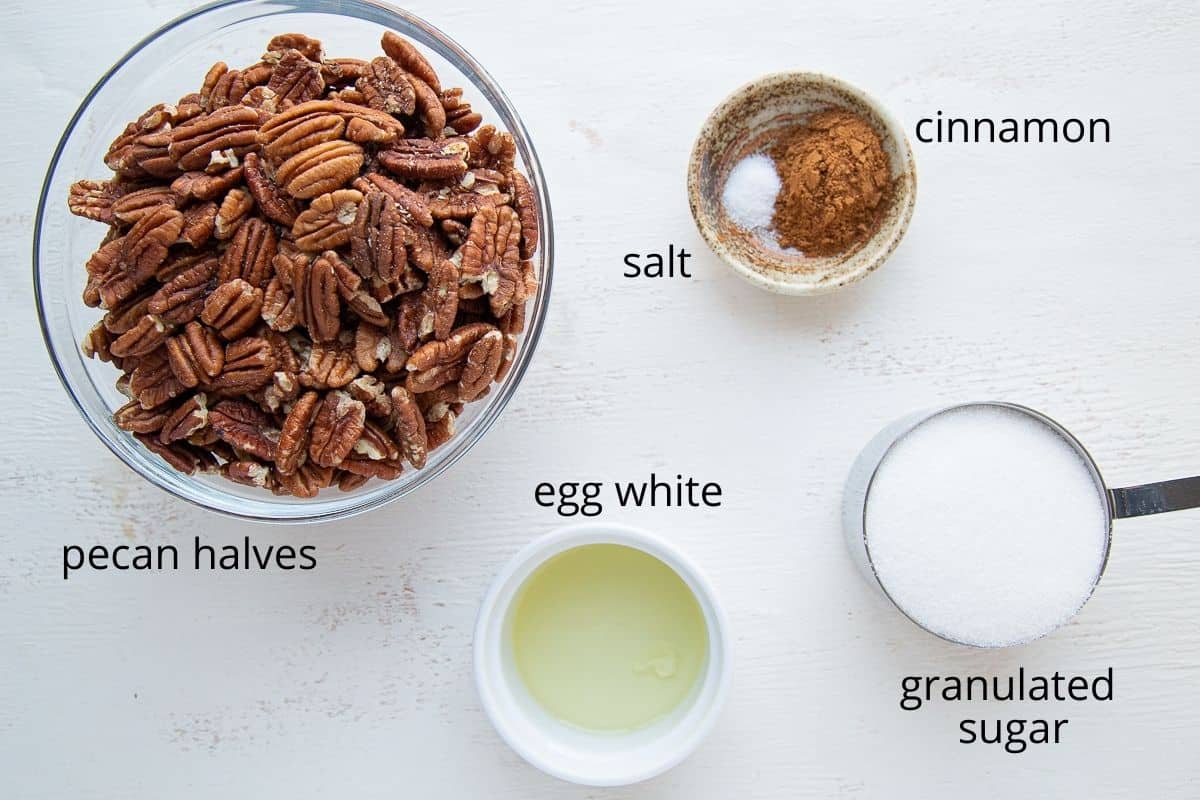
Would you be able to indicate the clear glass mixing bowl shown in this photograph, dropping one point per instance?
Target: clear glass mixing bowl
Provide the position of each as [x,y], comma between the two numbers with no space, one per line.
[166,65]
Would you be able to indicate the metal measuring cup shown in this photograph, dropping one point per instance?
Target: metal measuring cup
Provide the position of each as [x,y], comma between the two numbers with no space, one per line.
[1131,501]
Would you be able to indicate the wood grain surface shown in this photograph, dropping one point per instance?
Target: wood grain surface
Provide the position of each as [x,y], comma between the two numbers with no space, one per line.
[1062,277]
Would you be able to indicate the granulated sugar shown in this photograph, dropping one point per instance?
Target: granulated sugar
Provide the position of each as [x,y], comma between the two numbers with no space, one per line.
[750,192]
[986,526]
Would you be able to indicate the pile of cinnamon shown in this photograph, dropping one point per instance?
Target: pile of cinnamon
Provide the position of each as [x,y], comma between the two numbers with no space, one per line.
[836,184]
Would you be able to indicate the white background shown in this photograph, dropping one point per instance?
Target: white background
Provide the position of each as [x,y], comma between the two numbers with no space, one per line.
[1065,277]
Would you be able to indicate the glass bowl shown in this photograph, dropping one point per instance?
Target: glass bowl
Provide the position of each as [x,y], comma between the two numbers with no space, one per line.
[168,64]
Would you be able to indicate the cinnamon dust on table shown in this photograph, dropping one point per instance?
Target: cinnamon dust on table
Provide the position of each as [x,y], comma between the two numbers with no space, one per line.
[837,183]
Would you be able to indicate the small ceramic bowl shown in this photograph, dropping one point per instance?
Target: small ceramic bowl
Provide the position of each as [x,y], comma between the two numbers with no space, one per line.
[568,752]
[743,124]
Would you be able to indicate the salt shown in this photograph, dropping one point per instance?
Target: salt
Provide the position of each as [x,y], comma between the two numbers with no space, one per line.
[986,527]
[750,192]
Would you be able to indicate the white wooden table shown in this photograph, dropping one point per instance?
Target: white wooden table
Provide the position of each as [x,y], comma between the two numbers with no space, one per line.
[1064,277]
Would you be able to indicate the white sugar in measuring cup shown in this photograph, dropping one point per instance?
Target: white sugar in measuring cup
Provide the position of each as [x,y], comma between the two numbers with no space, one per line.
[1133,501]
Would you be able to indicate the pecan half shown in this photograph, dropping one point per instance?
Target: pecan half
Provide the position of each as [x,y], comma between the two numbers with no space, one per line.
[372,346]
[181,299]
[131,207]
[385,87]
[275,205]
[233,211]
[330,365]
[230,88]
[367,308]
[300,128]
[327,222]
[202,186]
[263,99]
[426,159]
[233,308]
[128,314]
[408,426]
[279,307]
[372,393]
[250,254]
[426,249]
[151,155]
[342,72]
[363,131]
[378,237]
[196,355]
[135,419]
[295,433]
[281,348]
[152,382]
[215,141]
[337,427]
[433,378]
[199,224]
[493,149]
[440,431]
[413,324]
[441,298]
[412,203]
[320,168]
[375,445]
[318,304]
[465,205]
[189,419]
[117,158]
[97,343]
[94,199]
[403,53]
[296,78]
[244,428]
[481,365]
[309,47]
[149,334]
[249,473]
[513,322]
[526,205]
[491,256]
[452,350]
[429,109]
[257,75]
[249,364]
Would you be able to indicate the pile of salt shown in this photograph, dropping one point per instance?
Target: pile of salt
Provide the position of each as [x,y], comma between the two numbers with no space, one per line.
[750,192]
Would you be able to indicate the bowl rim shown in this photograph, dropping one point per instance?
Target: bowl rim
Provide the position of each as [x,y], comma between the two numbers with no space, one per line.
[676,743]
[188,488]
[791,283]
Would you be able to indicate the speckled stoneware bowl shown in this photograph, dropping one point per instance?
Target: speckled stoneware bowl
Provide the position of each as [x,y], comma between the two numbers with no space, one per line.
[745,123]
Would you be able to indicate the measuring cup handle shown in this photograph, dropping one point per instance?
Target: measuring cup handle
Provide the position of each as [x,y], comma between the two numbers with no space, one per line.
[1156,498]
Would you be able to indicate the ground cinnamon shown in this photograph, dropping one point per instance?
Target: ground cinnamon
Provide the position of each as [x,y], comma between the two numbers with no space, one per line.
[837,184]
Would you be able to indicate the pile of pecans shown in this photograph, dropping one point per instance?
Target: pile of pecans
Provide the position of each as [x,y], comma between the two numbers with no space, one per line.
[312,264]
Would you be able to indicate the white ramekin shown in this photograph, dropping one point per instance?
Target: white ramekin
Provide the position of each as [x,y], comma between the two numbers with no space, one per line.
[570,753]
